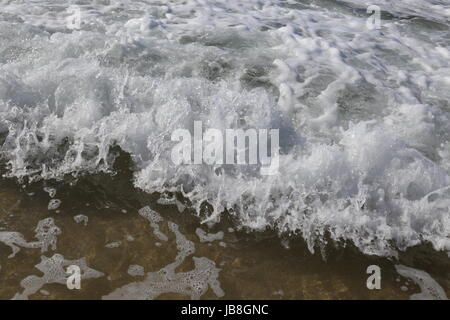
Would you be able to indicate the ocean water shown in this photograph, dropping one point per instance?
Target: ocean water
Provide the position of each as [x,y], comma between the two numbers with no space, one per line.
[363,114]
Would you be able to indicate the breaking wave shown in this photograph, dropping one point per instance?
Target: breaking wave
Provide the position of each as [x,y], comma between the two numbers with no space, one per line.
[363,114]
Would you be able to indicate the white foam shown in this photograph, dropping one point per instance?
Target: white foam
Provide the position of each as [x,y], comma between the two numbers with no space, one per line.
[114,244]
[136,270]
[164,200]
[14,240]
[46,232]
[208,237]
[363,114]
[154,218]
[80,218]
[54,204]
[44,292]
[193,283]
[430,289]
[51,191]
[53,270]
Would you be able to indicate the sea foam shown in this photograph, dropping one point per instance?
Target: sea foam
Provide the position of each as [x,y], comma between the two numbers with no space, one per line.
[363,114]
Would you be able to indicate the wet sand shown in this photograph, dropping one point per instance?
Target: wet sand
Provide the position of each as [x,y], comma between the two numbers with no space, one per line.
[256,265]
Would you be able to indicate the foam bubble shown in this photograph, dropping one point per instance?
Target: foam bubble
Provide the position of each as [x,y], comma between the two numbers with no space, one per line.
[114,244]
[164,200]
[53,270]
[51,191]
[54,204]
[154,218]
[193,283]
[46,232]
[430,289]
[135,270]
[208,237]
[80,218]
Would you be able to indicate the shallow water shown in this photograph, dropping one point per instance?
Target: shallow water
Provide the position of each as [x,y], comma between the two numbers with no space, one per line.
[250,265]
[364,134]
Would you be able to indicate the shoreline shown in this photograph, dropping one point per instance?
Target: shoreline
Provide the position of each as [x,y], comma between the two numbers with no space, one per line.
[252,265]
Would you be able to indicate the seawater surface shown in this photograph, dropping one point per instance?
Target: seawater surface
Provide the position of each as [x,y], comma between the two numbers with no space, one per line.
[132,245]
[363,117]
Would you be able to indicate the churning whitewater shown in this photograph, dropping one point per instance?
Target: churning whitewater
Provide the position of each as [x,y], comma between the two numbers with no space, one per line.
[363,114]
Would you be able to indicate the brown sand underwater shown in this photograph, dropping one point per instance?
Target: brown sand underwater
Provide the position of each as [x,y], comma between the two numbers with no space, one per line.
[250,265]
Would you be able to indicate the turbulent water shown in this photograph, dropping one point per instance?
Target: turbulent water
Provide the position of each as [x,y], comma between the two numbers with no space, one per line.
[363,114]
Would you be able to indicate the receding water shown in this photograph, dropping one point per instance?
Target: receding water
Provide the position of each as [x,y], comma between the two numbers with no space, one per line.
[116,237]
